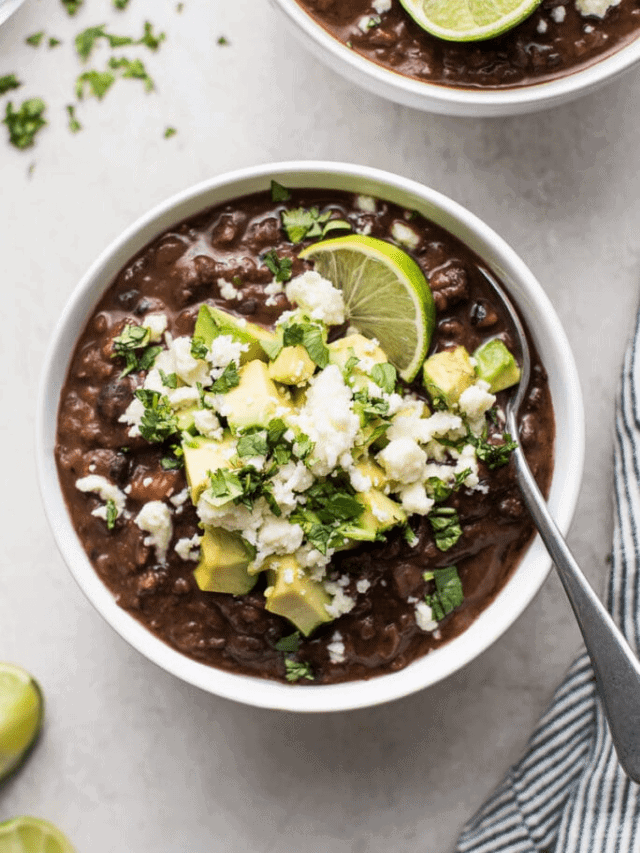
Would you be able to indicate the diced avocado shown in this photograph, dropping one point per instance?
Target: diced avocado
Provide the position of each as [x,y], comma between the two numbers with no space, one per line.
[202,455]
[447,374]
[185,418]
[293,594]
[223,564]
[340,351]
[255,400]
[213,322]
[368,468]
[496,365]
[380,514]
[292,366]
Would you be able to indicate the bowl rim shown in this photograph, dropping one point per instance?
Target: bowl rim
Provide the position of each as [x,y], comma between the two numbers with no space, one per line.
[435,97]
[519,589]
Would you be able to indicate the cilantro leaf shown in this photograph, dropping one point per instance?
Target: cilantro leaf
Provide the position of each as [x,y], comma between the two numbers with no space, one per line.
[169,132]
[158,421]
[303,446]
[224,486]
[280,267]
[150,39]
[8,82]
[120,4]
[448,594]
[86,40]
[290,643]
[112,513]
[54,42]
[199,349]
[228,380]
[223,41]
[72,6]
[169,380]
[253,444]
[385,375]
[98,83]
[295,670]
[132,69]
[300,223]
[130,339]
[445,524]
[24,123]
[74,124]
[311,337]
[493,455]
[35,39]
[279,193]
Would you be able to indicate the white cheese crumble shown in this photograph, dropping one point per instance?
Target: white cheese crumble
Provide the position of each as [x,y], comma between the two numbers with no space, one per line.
[105,490]
[341,603]
[365,202]
[336,648]
[424,617]
[403,460]
[227,290]
[189,548]
[157,325]
[155,518]
[414,499]
[476,400]
[207,423]
[381,6]
[404,235]
[559,13]
[318,297]
[598,8]
[224,350]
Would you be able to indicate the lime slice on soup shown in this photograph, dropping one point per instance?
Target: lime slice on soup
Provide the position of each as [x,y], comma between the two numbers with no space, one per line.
[469,20]
[21,713]
[32,835]
[386,294]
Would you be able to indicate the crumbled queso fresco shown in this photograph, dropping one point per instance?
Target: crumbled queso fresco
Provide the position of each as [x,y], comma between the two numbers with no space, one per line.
[312,441]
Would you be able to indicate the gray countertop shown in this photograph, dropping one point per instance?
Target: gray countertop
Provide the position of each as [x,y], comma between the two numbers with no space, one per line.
[131,758]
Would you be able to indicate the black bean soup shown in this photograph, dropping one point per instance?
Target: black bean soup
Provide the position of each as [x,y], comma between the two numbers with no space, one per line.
[556,40]
[188,265]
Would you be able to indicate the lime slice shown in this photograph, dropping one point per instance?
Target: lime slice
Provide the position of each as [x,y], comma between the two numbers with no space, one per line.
[32,835]
[469,20]
[21,712]
[386,295]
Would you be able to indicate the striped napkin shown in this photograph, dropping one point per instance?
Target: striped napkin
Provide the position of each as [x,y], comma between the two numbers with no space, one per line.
[568,794]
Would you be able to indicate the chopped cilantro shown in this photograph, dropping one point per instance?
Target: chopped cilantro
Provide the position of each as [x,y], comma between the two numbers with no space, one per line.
[74,124]
[312,338]
[409,536]
[151,39]
[98,83]
[130,339]
[300,223]
[280,267]
[223,41]
[198,348]
[72,6]
[290,643]
[169,380]
[54,42]
[448,594]
[24,123]
[132,69]
[120,4]
[169,132]
[493,455]
[446,527]
[35,39]
[279,193]
[295,670]
[8,82]
[85,41]
[158,421]
[228,380]
[224,486]
[386,376]
[174,462]
[253,444]
[369,408]
[303,446]
[112,514]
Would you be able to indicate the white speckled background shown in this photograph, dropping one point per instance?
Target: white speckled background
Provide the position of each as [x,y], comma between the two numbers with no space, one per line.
[131,759]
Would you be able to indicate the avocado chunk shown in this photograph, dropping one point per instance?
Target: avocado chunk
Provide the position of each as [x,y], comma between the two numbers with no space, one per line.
[496,365]
[447,374]
[201,455]
[223,563]
[380,514]
[293,594]
[368,468]
[292,366]
[343,349]
[256,400]
[213,322]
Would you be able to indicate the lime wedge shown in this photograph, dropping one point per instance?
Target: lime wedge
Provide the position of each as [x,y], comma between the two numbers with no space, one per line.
[32,835]
[21,712]
[469,20]
[386,294]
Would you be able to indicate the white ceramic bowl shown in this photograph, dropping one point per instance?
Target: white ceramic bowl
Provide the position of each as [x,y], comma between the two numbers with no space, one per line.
[446,99]
[8,7]
[545,329]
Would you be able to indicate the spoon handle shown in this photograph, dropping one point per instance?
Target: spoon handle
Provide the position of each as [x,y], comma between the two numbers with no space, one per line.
[616,668]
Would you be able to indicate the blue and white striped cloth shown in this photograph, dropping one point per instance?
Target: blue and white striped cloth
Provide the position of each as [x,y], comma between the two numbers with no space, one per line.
[568,793]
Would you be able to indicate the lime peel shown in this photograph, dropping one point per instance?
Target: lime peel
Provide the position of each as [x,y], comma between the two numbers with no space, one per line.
[32,835]
[21,715]
[469,20]
[386,294]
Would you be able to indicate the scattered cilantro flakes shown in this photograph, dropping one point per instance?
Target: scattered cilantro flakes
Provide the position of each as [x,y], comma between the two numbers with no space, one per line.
[295,670]
[86,40]
[290,643]
[280,267]
[279,193]
[229,379]
[149,38]
[112,514]
[97,82]
[132,69]
[198,348]
[120,4]
[169,132]
[312,338]
[72,6]
[300,223]
[445,524]
[128,342]
[35,39]
[8,82]
[74,124]
[386,376]
[25,122]
[158,422]
[179,7]
[253,444]
[54,42]
[448,594]
[223,41]
[493,455]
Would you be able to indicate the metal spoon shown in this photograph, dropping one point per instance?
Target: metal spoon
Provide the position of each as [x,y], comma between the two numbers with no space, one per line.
[616,668]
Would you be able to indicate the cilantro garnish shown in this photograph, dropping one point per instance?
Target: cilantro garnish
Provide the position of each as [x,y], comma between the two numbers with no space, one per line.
[132,69]
[54,42]
[295,670]
[448,594]
[24,123]
[86,40]
[120,4]
[300,223]
[72,6]
[228,380]
[126,344]
[369,408]
[158,421]
[149,38]
[74,124]
[290,643]
[169,380]
[303,446]
[312,338]
[174,462]
[8,82]
[280,267]
[35,39]
[493,455]
[445,524]
[199,349]
[169,132]
[112,514]
[386,376]
[223,41]
[253,444]
[98,83]
[279,193]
